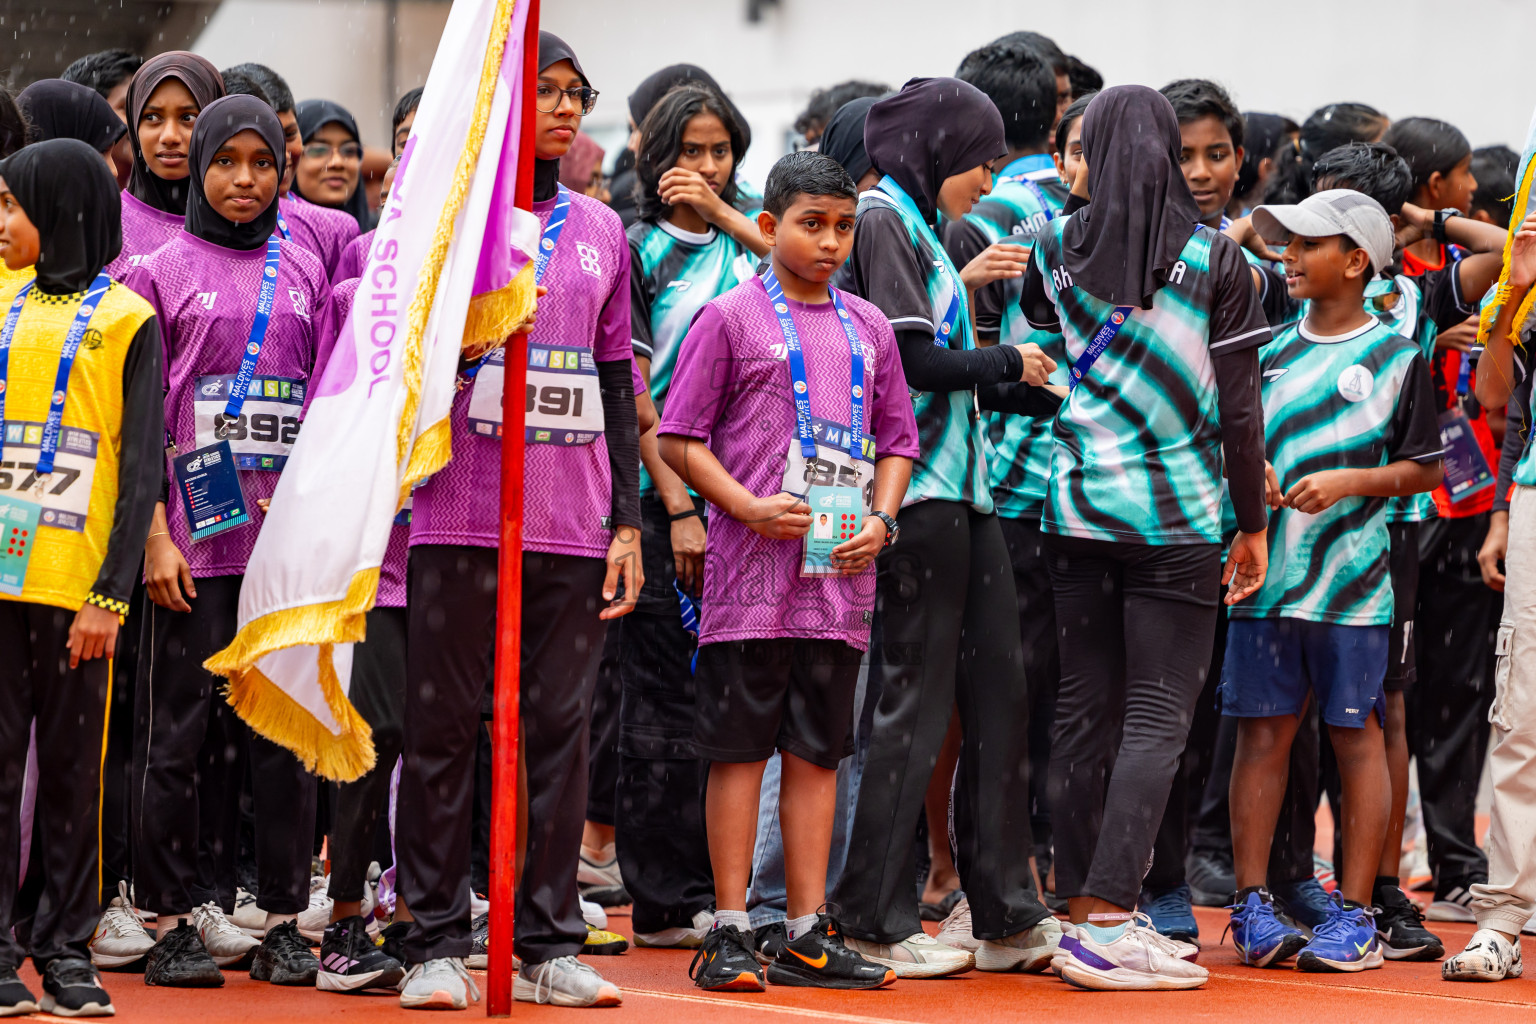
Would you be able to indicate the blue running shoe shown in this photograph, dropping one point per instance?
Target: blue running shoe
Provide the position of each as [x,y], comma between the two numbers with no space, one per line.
[1305,901]
[1346,942]
[1261,938]
[1172,913]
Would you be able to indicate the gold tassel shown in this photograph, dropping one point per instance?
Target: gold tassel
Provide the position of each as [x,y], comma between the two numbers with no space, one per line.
[1490,312]
[495,315]
[267,709]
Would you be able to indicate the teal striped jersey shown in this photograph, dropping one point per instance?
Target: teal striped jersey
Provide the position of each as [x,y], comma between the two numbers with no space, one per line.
[673,274]
[1137,455]
[1352,401]
[1399,305]
[1525,470]
[1027,196]
[902,268]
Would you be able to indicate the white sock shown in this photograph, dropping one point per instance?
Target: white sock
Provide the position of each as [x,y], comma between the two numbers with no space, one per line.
[736,917]
[800,925]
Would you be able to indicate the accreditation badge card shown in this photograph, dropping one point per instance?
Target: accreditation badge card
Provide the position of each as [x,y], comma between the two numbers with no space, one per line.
[261,437]
[564,401]
[212,497]
[1466,470]
[18,533]
[839,490]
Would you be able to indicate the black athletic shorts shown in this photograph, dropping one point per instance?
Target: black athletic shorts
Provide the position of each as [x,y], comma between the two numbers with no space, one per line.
[1403,567]
[758,696]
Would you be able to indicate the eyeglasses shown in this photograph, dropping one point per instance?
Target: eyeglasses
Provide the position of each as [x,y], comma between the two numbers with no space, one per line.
[547,98]
[351,152]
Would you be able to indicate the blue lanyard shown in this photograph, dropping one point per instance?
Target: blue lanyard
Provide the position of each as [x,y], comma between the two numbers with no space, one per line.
[903,202]
[802,387]
[242,383]
[1099,343]
[1226,222]
[282,227]
[1464,377]
[54,425]
[547,243]
[1039,194]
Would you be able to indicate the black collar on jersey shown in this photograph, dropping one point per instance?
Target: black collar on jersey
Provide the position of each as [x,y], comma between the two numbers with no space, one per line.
[313,115]
[68,194]
[219,122]
[546,173]
[204,83]
[843,138]
[932,129]
[1140,214]
[57,109]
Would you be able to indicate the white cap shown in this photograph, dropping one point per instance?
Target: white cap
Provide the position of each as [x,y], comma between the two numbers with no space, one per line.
[1336,211]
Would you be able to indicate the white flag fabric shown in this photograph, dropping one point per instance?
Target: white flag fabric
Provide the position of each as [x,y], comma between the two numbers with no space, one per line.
[450,270]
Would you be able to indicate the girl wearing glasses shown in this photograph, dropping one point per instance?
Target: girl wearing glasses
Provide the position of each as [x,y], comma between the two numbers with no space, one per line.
[330,170]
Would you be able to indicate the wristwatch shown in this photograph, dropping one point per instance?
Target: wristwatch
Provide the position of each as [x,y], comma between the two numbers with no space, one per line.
[1441,216]
[891,529]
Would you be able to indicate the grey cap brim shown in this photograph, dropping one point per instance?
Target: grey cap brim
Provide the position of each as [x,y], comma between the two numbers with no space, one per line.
[1279,223]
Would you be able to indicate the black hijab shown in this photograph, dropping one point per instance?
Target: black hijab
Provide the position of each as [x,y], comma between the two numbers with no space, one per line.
[650,91]
[203,82]
[932,129]
[58,109]
[546,173]
[219,122]
[843,137]
[313,115]
[72,199]
[1140,213]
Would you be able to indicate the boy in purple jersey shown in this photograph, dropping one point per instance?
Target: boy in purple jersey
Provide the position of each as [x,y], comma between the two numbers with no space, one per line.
[164,100]
[780,642]
[581,536]
[204,285]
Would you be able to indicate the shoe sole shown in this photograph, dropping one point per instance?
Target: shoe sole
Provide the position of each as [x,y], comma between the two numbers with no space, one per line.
[1288,947]
[605,895]
[789,976]
[112,962]
[1450,972]
[1123,981]
[746,981]
[1427,952]
[329,981]
[1444,910]
[604,948]
[189,981]
[525,992]
[1311,963]
[686,942]
[919,972]
[1030,960]
[438,1000]
[18,1010]
[93,1009]
[280,975]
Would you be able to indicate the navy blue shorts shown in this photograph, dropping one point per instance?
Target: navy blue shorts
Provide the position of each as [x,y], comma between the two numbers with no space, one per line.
[1272,663]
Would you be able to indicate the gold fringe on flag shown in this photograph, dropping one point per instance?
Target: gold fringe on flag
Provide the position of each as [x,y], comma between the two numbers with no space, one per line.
[495,315]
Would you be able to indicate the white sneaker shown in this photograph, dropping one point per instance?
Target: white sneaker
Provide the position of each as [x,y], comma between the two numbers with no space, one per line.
[565,981]
[678,938]
[438,985]
[248,917]
[919,955]
[1064,946]
[1029,951]
[593,914]
[314,919]
[120,938]
[225,943]
[1137,960]
[956,929]
[599,878]
[1486,958]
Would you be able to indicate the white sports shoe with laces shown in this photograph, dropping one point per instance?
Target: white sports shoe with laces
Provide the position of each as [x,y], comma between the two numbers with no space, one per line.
[120,938]
[224,942]
[1138,959]
[564,981]
[441,984]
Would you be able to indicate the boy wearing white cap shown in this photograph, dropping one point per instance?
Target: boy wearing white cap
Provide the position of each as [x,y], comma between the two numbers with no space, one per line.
[1349,422]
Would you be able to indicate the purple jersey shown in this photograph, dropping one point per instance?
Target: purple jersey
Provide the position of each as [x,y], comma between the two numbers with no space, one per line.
[567,490]
[392,571]
[353,257]
[320,229]
[145,229]
[205,297]
[731,389]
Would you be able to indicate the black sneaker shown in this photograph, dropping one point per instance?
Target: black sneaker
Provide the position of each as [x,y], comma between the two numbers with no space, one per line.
[15,998]
[72,988]
[392,940]
[769,941]
[479,943]
[1400,927]
[818,959]
[1210,877]
[180,960]
[283,958]
[726,962]
[350,962]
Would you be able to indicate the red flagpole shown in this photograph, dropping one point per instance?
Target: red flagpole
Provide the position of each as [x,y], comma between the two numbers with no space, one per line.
[509,592]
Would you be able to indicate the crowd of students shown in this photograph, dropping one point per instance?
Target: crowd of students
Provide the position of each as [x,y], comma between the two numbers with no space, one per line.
[1015,515]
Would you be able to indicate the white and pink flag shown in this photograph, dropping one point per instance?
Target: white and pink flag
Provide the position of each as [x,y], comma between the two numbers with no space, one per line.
[449,272]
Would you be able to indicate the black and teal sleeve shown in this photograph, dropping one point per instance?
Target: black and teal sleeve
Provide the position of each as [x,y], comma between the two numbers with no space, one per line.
[621,430]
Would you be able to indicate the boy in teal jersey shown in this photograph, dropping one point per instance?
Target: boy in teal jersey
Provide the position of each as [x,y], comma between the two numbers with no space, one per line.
[1348,424]
[1026,195]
